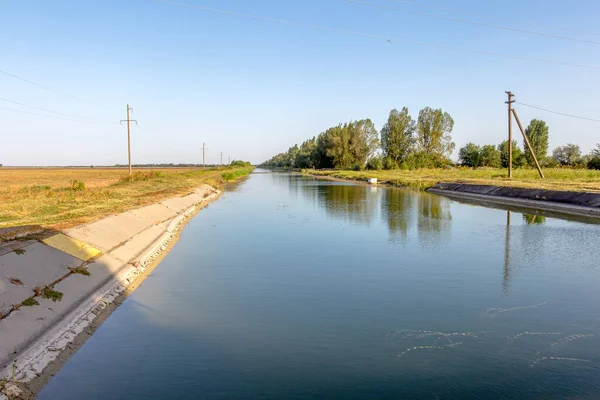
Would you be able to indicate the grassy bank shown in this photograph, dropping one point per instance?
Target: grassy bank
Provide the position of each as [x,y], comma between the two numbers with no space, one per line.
[59,198]
[556,179]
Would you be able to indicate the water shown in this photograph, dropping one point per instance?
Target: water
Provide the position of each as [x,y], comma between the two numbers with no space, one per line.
[296,288]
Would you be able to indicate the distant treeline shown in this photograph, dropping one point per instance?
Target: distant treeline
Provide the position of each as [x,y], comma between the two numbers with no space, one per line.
[404,143]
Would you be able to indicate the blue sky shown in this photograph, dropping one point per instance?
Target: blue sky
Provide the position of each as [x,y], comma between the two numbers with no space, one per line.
[253,88]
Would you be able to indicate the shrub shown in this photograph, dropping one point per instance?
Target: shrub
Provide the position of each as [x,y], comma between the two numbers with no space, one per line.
[375,164]
[77,185]
[594,163]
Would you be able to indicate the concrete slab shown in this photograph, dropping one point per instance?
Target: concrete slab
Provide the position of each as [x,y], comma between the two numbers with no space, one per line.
[176,204]
[111,231]
[8,247]
[11,293]
[164,225]
[72,246]
[136,246]
[204,190]
[79,286]
[192,199]
[39,266]
[27,323]
[155,213]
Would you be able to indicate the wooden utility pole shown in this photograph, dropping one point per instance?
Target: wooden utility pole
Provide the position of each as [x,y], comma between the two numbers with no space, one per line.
[510,149]
[537,164]
[129,121]
[203,154]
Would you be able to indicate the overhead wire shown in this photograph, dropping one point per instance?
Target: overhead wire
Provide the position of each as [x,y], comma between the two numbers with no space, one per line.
[56,91]
[43,115]
[464,21]
[488,16]
[50,111]
[390,39]
[557,112]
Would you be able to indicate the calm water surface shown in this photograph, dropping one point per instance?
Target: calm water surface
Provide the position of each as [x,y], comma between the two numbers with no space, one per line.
[295,288]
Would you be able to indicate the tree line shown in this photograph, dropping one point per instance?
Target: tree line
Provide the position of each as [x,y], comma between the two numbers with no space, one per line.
[402,143]
[405,143]
[569,155]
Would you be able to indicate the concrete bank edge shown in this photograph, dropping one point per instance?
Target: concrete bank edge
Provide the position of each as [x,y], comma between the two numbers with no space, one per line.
[545,205]
[47,346]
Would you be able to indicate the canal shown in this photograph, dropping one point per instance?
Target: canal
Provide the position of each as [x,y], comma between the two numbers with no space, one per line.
[290,287]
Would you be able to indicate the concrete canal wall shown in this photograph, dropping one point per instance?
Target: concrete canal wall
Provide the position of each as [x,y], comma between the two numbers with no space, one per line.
[575,203]
[54,285]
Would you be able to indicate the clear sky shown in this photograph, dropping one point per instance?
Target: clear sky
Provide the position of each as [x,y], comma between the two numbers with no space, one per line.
[253,88]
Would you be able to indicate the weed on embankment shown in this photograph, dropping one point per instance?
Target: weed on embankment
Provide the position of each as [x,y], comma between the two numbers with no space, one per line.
[64,197]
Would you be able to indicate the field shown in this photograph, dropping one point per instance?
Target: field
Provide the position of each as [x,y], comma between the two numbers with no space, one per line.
[63,197]
[556,179]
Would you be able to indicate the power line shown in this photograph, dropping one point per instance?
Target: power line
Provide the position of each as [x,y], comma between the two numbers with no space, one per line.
[42,115]
[50,111]
[56,91]
[558,112]
[464,21]
[495,17]
[374,36]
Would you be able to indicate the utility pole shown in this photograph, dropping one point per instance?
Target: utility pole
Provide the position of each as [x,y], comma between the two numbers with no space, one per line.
[510,149]
[203,154]
[229,160]
[537,164]
[129,120]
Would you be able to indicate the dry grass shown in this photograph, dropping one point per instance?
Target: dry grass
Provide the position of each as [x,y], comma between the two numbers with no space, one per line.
[48,197]
[556,179]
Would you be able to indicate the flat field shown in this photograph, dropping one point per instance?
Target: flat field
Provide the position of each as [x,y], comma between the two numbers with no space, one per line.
[63,197]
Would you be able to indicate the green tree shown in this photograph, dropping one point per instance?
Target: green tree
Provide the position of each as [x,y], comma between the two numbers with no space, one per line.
[434,128]
[470,155]
[567,155]
[537,133]
[596,151]
[350,144]
[490,156]
[397,136]
[518,157]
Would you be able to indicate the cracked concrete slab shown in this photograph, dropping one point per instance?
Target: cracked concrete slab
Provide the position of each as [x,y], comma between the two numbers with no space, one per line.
[40,265]
[11,293]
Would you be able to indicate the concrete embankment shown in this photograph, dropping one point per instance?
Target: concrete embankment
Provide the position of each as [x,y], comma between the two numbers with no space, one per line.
[53,285]
[574,203]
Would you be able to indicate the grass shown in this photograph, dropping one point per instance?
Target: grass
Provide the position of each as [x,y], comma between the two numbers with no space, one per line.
[50,293]
[30,302]
[58,198]
[556,178]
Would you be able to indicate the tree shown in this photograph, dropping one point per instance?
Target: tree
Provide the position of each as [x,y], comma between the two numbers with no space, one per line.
[567,155]
[518,157]
[596,151]
[537,133]
[397,136]
[349,145]
[433,132]
[490,156]
[470,155]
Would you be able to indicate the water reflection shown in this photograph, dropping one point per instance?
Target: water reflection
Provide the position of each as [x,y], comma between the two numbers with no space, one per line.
[434,216]
[532,219]
[506,278]
[397,213]
[354,204]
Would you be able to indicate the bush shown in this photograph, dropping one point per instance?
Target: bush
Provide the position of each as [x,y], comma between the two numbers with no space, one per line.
[77,185]
[375,164]
[239,163]
[594,163]
[388,163]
